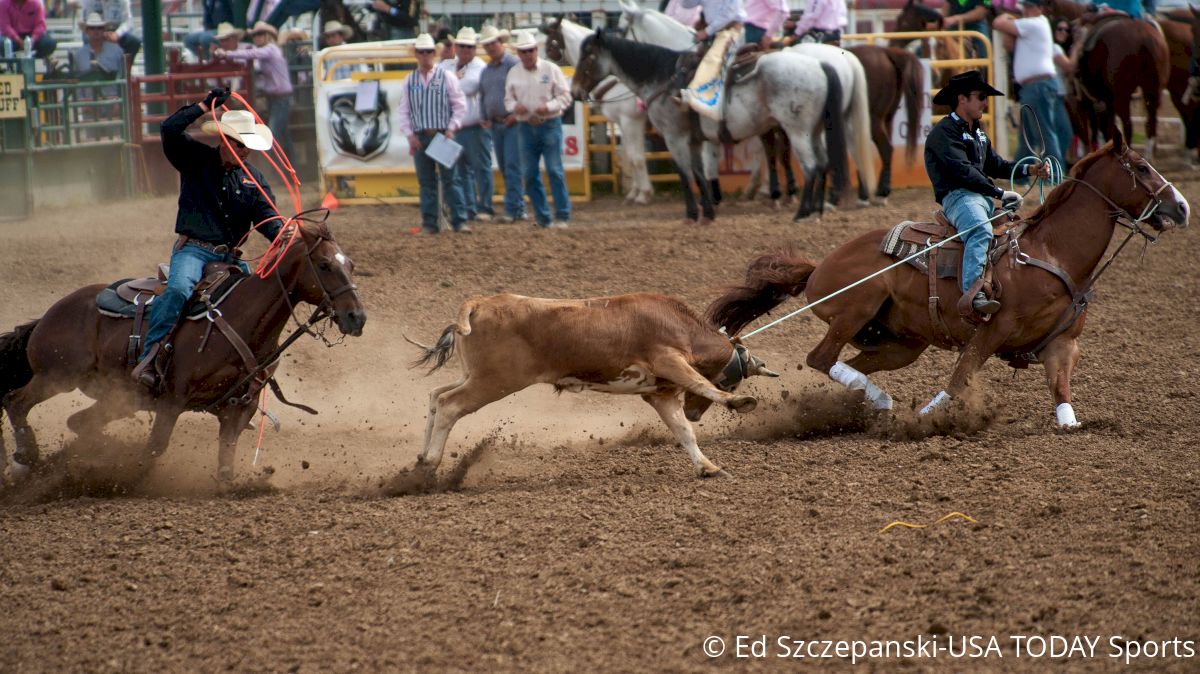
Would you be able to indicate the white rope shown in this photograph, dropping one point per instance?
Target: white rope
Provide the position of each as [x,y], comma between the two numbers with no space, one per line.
[863,280]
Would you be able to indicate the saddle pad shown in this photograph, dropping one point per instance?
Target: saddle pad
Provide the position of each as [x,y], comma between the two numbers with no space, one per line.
[907,238]
[110,304]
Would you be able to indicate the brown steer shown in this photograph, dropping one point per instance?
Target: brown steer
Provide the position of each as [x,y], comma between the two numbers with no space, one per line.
[649,345]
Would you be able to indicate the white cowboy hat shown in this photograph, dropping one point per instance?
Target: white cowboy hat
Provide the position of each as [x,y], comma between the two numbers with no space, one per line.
[263,27]
[466,37]
[94,20]
[240,126]
[336,27]
[489,34]
[424,41]
[226,29]
[525,40]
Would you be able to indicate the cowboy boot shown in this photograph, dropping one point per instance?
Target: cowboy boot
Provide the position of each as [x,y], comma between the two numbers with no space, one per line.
[146,372]
[983,305]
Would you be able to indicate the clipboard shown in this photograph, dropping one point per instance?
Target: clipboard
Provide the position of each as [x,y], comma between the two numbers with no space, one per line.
[444,151]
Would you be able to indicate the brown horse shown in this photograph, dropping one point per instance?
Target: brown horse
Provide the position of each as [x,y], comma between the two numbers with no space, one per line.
[73,346]
[917,17]
[1046,280]
[892,74]
[1124,55]
[1182,36]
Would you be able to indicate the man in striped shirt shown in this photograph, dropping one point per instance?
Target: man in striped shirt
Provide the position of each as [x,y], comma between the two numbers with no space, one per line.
[431,102]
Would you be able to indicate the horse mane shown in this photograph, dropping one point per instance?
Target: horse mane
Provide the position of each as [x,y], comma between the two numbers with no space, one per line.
[643,63]
[1063,192]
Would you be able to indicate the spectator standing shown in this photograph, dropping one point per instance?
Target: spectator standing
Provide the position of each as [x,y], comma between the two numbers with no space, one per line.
[723,21]
[120,20]
[969,15]
[216,12]
[473,173]
[20,19]
[822,22]
[401,17]
[764,18]
[272,79]
[501,124]
[1033,69]
[537,93]
[432,103]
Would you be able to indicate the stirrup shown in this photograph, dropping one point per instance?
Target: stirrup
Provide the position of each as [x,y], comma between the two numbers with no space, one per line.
[146,372]
[983,305]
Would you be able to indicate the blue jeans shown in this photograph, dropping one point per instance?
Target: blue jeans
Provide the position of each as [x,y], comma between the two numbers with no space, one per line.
[965,209]
[187,268]
[286,9]
[43,47]
[507,142]
[475,141]
[544,142]
[1043,97]
[753,33]
[200,42]
[279,108]
[429,174]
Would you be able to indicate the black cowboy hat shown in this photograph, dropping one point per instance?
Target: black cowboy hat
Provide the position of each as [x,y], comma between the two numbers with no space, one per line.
[964,83]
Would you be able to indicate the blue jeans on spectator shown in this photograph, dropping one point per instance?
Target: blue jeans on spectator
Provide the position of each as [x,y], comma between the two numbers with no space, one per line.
[187,268]
[42,47]
[544,142]
[200,43]
[1043,97]
[429,174]
[477,153]
[465,175]
[507,141]
[753,33]
[279,108]
[286,9]
[966,209]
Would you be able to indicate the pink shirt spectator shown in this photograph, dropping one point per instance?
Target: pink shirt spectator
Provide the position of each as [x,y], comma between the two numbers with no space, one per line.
[823,15]
[688,16]
[18,19]
[458,102]
[767,14]
[270,66]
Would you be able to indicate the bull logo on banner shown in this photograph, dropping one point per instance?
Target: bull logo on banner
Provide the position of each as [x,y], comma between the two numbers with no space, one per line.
[357,133]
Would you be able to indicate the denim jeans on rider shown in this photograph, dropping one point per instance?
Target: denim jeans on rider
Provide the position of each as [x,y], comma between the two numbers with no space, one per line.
[429,174]
[1043,97]
[507,142]
[544,142]
[187,268]
[965,209]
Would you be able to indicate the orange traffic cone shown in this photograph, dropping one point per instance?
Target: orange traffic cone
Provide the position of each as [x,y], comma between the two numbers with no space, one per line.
[330,202]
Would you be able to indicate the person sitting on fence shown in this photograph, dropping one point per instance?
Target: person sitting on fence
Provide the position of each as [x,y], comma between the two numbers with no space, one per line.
[120,20]
[98,59]
[970,15]
[218,204]
[272,78]
[20,19]
[216,13]
[822,22]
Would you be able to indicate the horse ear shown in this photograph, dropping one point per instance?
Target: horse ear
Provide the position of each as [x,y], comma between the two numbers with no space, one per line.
[1118,141]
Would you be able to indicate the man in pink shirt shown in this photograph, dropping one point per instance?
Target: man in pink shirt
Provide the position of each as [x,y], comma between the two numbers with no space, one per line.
[20,19]
[764,18]
[823,22]
[431,102]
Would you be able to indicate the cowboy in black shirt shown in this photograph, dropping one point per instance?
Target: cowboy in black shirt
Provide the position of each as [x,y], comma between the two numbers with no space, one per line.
[218,204]
[960,162]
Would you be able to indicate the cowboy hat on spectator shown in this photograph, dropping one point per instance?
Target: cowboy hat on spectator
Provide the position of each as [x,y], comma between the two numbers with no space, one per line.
[239,125]
[489,34]
[263,27]
[94,20]
[466,37]
[525,40]
[424,41]
[226,29]
[332,27]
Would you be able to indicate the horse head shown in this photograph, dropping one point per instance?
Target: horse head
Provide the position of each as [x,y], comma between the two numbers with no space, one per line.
[1133,185]
[593,66]
[322,274]
[555,46]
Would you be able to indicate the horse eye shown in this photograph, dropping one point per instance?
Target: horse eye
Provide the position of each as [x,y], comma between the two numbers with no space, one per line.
[324,266]
[1143,169]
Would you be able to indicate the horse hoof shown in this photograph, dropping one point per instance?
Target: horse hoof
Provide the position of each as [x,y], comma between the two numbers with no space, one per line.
[688,222]
[863,203]
[775,204]
[715,471]
[706,222]
[18,472]
[743,404]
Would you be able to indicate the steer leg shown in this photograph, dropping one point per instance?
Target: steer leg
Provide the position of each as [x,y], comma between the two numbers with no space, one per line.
[670,408]
[454,404]
[433,398]
[674,368]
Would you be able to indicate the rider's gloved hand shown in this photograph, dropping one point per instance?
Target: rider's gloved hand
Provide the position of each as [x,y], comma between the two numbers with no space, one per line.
[216,97]
[1011,201]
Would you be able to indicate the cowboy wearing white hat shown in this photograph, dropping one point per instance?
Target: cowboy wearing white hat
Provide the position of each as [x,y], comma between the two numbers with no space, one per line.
[335,33]
[431,102]
[218,204]
[489,34]
[473,172]
[501,125]
[537,93]
[120,29]
[98,56]
[271,78]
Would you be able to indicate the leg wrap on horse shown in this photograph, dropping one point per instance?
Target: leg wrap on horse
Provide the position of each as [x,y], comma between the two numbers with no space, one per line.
[26,451]
[938,400]
[857,381]
[1066,415]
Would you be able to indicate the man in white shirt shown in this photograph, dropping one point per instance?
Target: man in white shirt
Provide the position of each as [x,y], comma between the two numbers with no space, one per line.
[536,92]
[473,171]
[1033,69]
[723,26]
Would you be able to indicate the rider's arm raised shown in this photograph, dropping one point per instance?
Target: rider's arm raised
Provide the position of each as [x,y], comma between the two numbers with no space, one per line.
[181,150]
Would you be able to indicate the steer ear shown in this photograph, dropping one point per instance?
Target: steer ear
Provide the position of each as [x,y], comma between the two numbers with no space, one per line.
[757,367]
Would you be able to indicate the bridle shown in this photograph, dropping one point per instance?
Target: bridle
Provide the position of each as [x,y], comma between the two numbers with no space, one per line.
[1122,216]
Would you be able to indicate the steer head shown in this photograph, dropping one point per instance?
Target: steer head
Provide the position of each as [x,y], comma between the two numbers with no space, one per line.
[742,364]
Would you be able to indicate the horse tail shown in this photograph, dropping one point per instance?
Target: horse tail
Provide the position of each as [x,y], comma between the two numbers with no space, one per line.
[912,85]
[835,130]
[15,370]
[860,114]
[770,279]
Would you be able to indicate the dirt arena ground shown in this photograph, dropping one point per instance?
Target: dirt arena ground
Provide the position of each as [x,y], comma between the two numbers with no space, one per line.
[579,540]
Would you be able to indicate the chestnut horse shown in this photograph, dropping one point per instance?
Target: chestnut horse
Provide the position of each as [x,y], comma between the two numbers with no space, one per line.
[892,74]
[1182,37]
[1125,55]
[73,346]
[1046,277]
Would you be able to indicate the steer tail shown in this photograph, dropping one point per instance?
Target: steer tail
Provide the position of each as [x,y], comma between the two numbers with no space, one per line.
[835,131]
[770,280]
[442,351]
[912,84]
[15,370]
